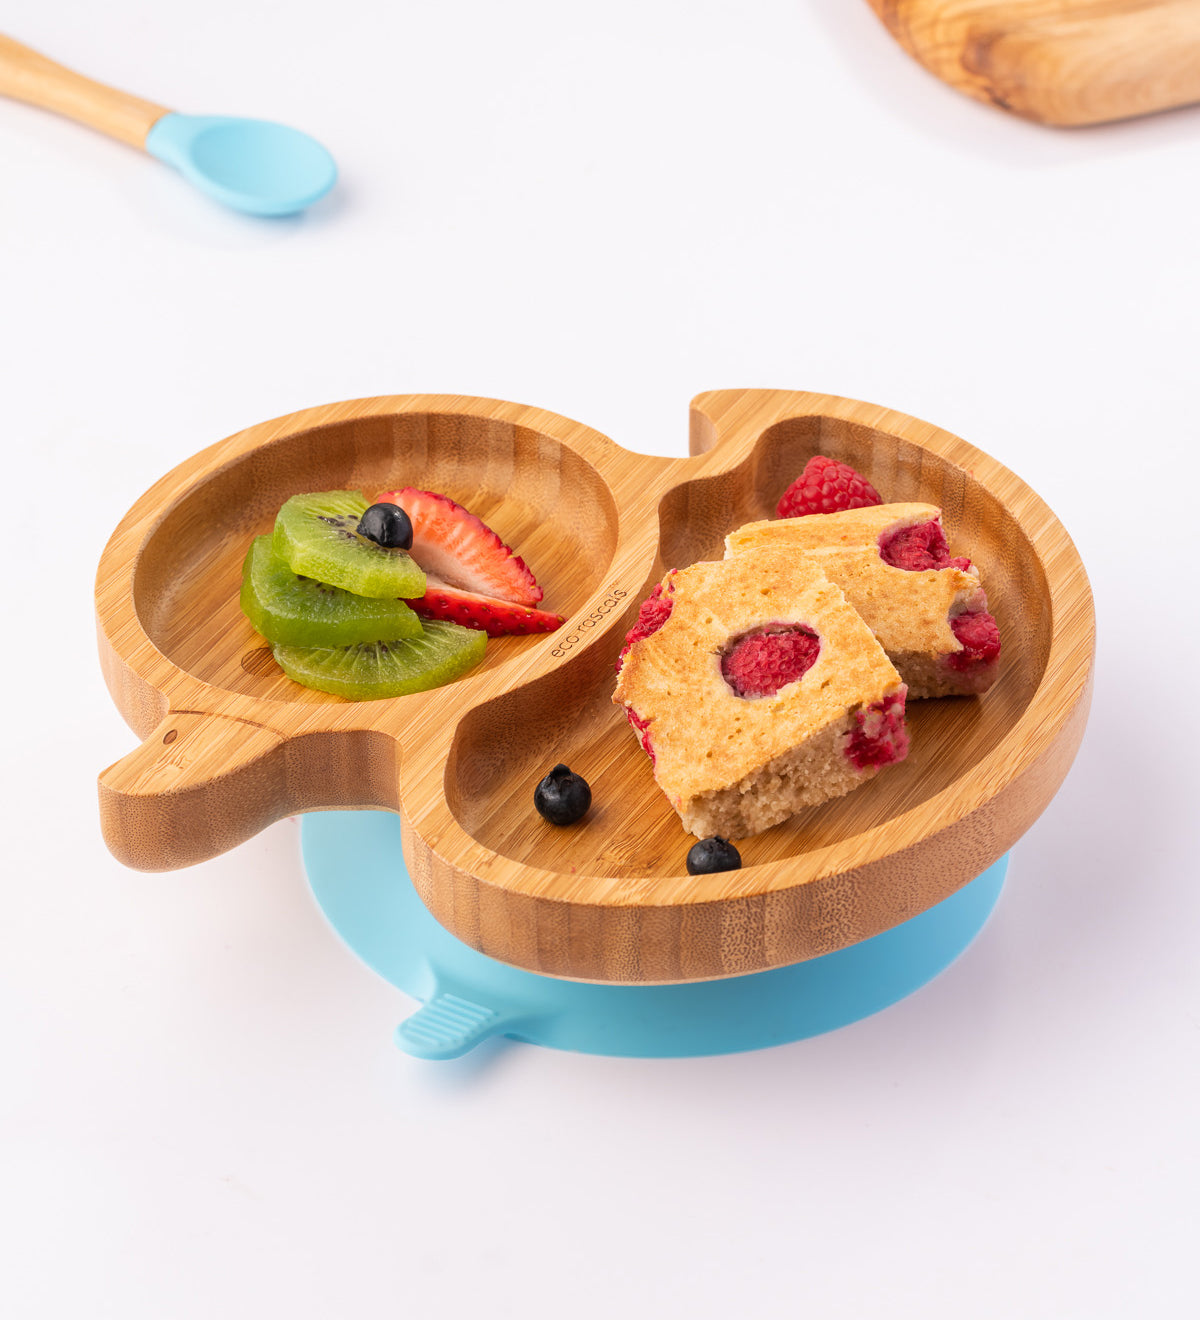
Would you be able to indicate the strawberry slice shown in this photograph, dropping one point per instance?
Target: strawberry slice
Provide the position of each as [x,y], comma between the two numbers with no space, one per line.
[461,551]
[497,618]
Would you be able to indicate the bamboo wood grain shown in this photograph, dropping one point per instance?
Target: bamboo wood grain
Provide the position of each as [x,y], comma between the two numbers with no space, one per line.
[232,745]
[1062,62]
[28,76]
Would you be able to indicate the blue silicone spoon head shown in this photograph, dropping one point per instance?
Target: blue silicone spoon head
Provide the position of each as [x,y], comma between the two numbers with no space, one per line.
[250,164]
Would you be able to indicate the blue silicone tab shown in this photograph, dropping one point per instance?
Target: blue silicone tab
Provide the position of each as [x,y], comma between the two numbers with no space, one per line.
[252,165]
[447,1026]
[358,877]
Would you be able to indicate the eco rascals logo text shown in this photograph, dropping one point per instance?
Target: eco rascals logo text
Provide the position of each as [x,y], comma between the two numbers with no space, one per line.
[610,602]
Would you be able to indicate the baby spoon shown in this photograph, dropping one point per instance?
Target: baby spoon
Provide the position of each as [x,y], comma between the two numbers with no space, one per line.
[250,164]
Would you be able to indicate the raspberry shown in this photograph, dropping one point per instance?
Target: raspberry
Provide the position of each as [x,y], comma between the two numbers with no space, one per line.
[919,547]
[760,663]
[980,638]
[642,728]
[653,612]
[879,736]
[826,486]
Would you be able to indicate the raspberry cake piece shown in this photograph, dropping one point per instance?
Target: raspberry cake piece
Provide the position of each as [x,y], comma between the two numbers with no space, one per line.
[926,606]
[759,692]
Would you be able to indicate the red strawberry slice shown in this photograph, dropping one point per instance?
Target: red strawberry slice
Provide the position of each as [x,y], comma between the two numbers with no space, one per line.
[826,486]
[497,618]
[461,551]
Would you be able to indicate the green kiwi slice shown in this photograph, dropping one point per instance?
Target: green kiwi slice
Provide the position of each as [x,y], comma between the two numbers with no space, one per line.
[300,611]
[370,670]
[315,536]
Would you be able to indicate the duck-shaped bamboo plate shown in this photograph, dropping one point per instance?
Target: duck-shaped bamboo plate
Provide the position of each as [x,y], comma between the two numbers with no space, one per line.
[231,745]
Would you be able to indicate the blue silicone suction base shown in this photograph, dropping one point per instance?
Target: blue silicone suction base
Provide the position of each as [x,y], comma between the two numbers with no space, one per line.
[356,870]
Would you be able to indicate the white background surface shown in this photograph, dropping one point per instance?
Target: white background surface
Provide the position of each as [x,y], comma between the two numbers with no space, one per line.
[601,211]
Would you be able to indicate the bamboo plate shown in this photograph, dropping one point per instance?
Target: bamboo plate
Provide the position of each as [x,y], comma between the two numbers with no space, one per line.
[1061,62]
[231,745]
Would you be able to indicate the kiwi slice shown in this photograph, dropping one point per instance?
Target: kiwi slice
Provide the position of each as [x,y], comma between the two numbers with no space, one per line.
[315,536]
[386,669]
[301,611]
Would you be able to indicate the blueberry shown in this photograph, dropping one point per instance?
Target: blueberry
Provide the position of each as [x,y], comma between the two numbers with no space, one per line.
[563,797]
[387,525]
[713,854]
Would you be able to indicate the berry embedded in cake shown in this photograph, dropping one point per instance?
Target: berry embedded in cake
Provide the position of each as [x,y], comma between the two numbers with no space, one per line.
[653,612]
[925,605]
[918,547]
[760,693]
[763,661]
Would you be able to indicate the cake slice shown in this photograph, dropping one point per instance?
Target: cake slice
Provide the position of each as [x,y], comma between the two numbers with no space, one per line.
[926,606]
[756,690]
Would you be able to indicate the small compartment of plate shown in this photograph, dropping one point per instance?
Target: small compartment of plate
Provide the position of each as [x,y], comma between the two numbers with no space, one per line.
[539,496]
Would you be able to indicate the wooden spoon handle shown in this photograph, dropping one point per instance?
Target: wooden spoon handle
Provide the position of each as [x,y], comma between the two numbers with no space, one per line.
[27,76]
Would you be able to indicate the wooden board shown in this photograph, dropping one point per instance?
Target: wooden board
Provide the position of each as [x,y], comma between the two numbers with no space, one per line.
[231,745]
[1064,62]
